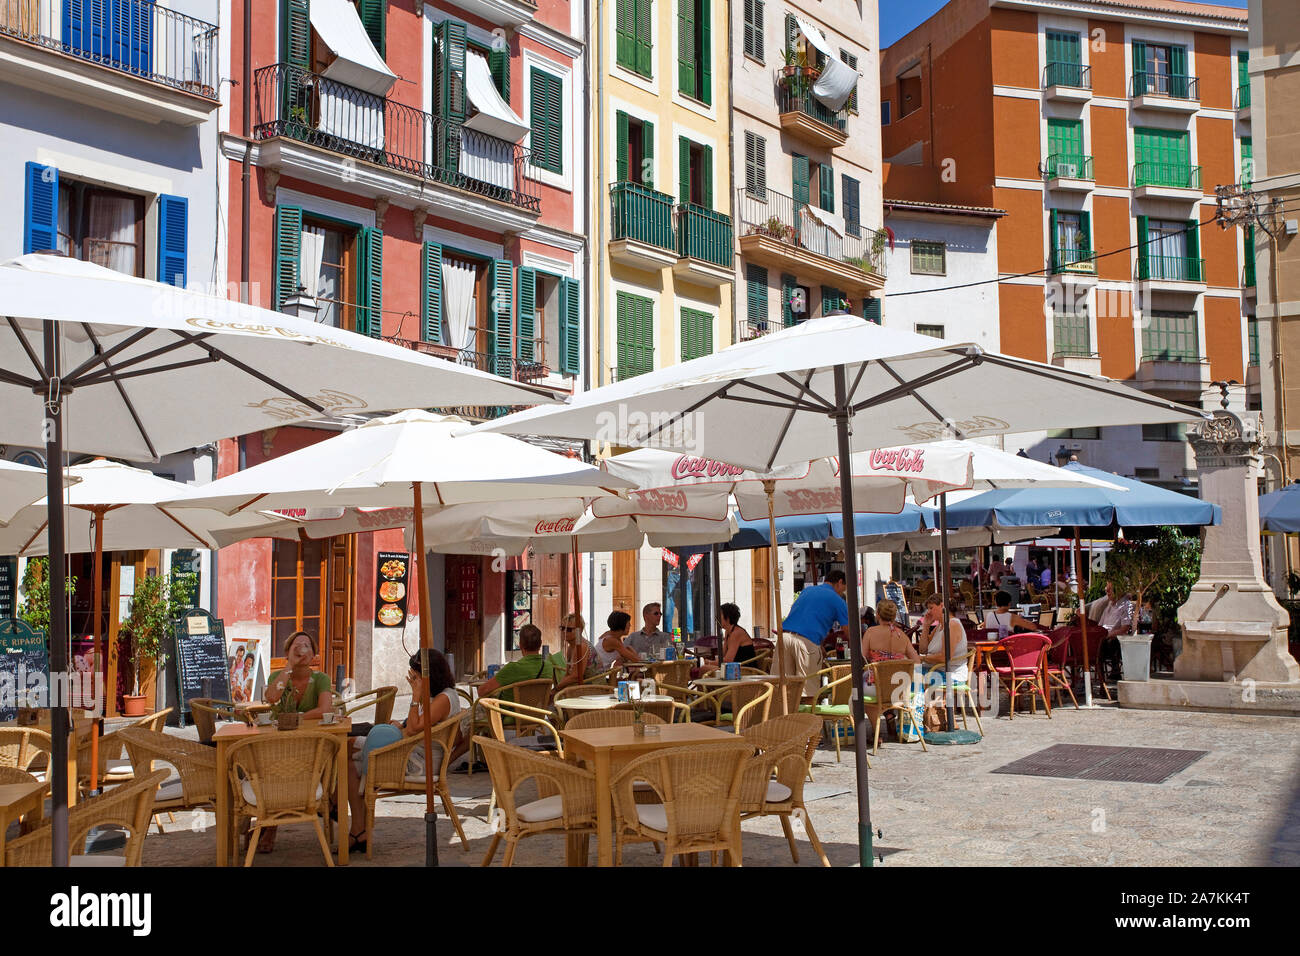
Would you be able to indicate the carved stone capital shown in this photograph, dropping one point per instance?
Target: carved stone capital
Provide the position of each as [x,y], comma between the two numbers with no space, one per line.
[270,184]
[1225,438]
[381,210]
[419,214]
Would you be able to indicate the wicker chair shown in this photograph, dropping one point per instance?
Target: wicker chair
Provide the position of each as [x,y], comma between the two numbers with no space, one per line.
[381,698]
[833,703]
[280,779]
[675,673]
[10,775]
[698,789]
[665,710]
[612,717]
[751,702]
[605,677]
[113,768]
[792,688]
[129,806]
[205,712]
[962,694]
[386,775]
[887,682]
[786,746]
[584,690]
[524,717]
[195,783]
[20,746]
[567,803]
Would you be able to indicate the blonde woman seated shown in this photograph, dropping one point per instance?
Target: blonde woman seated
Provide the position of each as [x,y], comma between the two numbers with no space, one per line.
[886,640]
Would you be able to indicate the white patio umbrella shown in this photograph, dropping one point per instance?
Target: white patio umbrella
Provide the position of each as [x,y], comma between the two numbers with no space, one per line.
[20,485]
[390,461]
[105,363]
[831,386]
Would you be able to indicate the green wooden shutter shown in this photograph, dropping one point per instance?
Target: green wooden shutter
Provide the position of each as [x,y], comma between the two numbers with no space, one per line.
[697,334]
[370,284]
[644,49]
[635,316]
[645,334]
[1065,141]
[683,169]
[526,350]
[801,191]
[1144,265]
[708,176]
[501,309]
[686,66]
[755,295]
[288,253]
[788,284]
[1053,231]
[648,154]
[41,209]
[791,33]
[547,121]
[851,61]
[499,65]
[431,307]
[570,330]
[1140,85]
[706,54]
[373,14]
[625,33]
[1179,83]
[295,51]
[449,86]
[1247,162]
[1243,78]
[871,309]
[1085,234]
[621,147]
[826,187]
[1194,272]
[755,165]
[852,210]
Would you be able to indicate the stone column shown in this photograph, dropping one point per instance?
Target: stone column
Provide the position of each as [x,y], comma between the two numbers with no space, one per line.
[1233,627]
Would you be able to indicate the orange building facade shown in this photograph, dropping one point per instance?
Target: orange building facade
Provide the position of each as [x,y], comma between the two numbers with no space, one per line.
[1102,128]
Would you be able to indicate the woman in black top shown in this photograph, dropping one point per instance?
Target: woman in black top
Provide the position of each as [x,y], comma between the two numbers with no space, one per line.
[738,646]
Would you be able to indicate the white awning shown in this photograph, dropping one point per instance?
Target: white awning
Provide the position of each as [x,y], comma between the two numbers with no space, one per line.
[494,116]
[358,63]
[837,80]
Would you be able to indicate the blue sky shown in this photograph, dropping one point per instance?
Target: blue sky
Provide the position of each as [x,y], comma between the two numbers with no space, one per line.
[897,17]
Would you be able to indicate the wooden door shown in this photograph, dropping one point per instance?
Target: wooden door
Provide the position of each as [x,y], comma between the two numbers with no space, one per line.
[298,594]
[625,582]
[551,598]
[761,616]
[464,613]
[342,551]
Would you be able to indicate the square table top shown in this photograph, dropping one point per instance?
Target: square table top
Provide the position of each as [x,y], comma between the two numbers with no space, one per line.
[239,731]
[615,739]
[16,794]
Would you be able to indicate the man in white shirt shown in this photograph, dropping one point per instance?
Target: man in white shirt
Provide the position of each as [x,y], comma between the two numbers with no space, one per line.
[1114,614]
[651,640]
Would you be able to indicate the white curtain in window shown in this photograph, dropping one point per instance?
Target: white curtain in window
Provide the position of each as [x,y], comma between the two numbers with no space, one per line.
[351,114]
[458,302]
[1068,236]
[110,233]
[1168,246]
[313,251]
[487,159]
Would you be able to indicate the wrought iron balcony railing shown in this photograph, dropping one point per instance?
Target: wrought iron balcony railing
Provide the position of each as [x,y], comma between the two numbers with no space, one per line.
[1074,75]
[1243,97]
[1176,175]
[310,108]
[1171,268]
[638,212]
[137,37]
[1073,260]
[1069,166]
[794,95]
[800,225]
[704,234]
[1179,86]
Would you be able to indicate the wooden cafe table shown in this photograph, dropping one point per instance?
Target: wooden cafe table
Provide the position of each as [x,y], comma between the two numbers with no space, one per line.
[231,734]
[608,748]
[20,801]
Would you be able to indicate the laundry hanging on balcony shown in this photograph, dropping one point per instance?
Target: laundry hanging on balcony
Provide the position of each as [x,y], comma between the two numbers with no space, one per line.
[487,146]
[821,232]
[351,97]
[837,80]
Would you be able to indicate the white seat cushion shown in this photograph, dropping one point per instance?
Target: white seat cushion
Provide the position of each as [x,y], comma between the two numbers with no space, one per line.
[98,859]
[118,768]
[246,788]
[169,790]
[548,808]
[653,815]
[777,792]
[417,779]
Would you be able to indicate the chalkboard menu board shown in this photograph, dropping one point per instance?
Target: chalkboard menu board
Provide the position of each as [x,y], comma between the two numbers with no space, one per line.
[200,656]
[8,588]
[24,668]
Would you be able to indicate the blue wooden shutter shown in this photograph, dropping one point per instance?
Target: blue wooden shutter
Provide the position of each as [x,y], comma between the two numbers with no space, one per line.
[173,228]
[431,307]
[370,298]
[41,209]
[502,312]
[570,331]
[288,252]
[526,303]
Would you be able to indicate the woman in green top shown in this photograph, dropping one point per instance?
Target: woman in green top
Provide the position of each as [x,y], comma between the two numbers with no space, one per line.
[298,687]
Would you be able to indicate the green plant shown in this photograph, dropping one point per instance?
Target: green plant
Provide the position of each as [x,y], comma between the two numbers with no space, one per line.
[1161,569]
[157,602]
[35,609]
[298,114]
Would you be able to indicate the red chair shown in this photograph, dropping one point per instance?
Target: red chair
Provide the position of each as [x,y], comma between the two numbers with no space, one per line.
[1096,633]
[1056,658]
[1027,654]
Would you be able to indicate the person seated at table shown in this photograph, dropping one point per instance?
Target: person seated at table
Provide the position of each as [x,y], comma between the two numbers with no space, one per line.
[868,617]
[298,688]
[887,641]
[932,637]
[531,666]
[444,702]
[576,657]
[651,640]
[738,646]
[1003,617]
[610,647]
[997,570]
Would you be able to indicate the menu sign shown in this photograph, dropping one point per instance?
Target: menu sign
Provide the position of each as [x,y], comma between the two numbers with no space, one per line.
[200,657]
[24,668]
[392,576]
[8,587]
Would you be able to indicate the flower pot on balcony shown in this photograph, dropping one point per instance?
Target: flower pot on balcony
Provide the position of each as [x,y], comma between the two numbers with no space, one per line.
[1135,654]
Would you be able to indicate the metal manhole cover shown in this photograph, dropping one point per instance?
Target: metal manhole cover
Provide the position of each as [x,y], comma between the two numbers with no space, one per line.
[1116,764]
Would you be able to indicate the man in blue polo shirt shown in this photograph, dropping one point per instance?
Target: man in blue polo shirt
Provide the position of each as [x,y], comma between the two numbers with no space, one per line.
[815,613]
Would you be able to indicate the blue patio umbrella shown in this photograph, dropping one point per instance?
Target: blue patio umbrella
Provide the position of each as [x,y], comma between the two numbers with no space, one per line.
[801,529]
[1279,510]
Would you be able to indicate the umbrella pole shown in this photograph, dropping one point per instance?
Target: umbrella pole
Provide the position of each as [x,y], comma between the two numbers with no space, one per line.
[1083,624]
[426,643]
[769,487]
[58,636]
[947,614]
[843,430]
[96,630]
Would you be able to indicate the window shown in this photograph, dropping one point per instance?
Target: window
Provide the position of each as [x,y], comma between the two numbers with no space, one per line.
[852,209]
[546,116]
[798,47]
[632,31]
[694,50]
[1167,431]
[1065,148]
[1252,338]
[694,173]
[754,29]
[1071,241]
[327,271]
[634,159]
[909,93]
[755,165]
[1243,79]
[929,258]
[826,187]
[373,14]
[833,300]
[934,331]
[298,594]
[498,61]
[1164,158]
[1247,162]
[636,341]
[102,226]
[851,62]
[871,309]
[1064,60]
[339,263]
[886,112]
[547,324]
[1170,337]
[697,334]
[795,299]
[756,297]
[1169,249]
[1070,333]
[1059,434]
[1160,69]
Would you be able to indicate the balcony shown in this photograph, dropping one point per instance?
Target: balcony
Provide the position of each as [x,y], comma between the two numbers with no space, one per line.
[1243,103]
[1173,374]
[1069,172]
[1088,363]
[503,13]
[802,114]
[129,57]
[329,133]
[641,223]
[1067,82]
[517,370]
[1074,263]
[1165,92]
[777,232]
[1177,181]
[1174,274]
[705,246]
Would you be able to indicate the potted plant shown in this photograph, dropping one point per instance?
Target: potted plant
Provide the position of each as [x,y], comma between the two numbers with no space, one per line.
[1157,569]
[35,608]
[157,602]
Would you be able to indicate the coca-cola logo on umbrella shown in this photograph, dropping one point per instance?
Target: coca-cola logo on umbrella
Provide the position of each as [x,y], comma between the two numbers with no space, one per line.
[813,500]
[561,526]
[898,459]
[660,502]
[687,467]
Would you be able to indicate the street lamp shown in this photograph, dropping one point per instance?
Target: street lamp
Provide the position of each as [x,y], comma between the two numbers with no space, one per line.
[302,305]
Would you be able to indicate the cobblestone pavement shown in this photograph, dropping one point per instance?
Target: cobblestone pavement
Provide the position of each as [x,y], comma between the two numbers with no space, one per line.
[1239,805]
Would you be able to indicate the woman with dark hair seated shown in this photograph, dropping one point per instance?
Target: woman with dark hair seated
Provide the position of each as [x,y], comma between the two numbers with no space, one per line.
[444,702]
[738,646]
[609,647]
[1004,617]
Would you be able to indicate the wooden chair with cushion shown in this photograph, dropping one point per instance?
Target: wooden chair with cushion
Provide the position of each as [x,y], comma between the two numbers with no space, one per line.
[282,779]
[207,712]
[194,784]
[386,775]
[963,697]
[894,681]
[833,704]
[566,801]
[380,698]
[128,806]
[699,799]
[791,689]
[21,746]
[786,746]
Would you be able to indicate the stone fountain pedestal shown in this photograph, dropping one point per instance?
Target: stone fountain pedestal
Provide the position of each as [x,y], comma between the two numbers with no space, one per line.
[1234,657]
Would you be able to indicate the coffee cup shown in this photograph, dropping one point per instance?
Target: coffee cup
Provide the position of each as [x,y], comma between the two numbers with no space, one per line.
[327,717]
